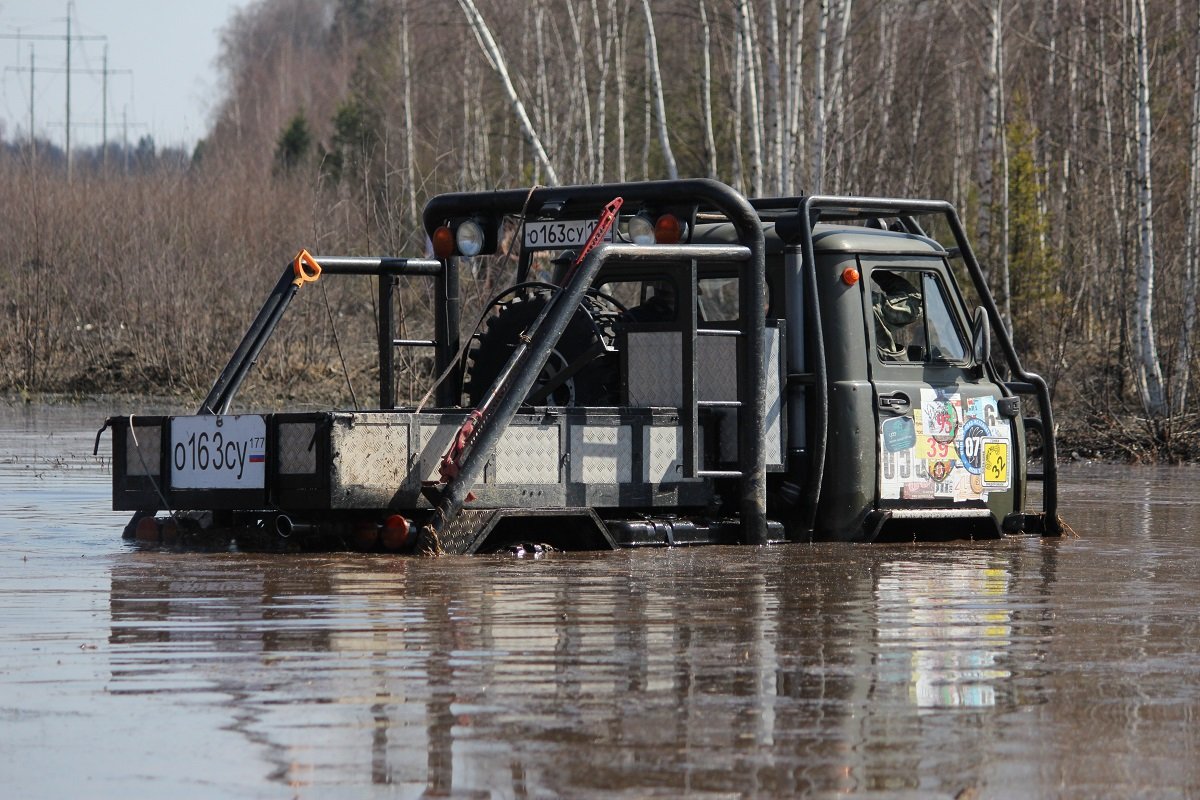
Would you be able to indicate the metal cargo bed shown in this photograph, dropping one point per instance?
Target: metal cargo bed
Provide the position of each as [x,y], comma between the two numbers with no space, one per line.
[329,461]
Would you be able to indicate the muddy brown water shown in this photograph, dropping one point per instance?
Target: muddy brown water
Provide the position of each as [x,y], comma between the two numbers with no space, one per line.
[1014,668]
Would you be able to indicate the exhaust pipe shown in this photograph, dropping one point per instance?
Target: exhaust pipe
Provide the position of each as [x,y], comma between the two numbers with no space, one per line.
[285,527]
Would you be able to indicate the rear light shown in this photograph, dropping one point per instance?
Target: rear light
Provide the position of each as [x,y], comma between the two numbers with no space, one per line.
[669,229]
[469,238]
[443,242]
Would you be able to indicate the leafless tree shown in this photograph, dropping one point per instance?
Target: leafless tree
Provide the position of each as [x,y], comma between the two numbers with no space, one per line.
[1148,368]
[660,108]
[496,62]
[1191,282]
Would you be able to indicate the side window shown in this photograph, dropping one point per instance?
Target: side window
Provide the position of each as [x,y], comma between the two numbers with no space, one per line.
[644,300]
[718,299]
[913,322]
[946,342]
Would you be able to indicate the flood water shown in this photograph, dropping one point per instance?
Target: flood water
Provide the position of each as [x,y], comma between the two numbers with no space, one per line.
[1014,668]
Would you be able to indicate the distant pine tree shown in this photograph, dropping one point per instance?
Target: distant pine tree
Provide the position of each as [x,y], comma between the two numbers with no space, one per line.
[293,144]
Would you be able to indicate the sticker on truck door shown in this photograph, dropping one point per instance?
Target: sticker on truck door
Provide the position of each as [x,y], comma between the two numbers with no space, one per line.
[958,449]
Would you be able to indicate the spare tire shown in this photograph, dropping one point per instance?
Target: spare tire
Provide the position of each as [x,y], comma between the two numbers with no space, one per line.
[594,384]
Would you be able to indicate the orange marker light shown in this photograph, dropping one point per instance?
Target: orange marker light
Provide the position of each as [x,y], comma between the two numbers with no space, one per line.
[668,229]
[850,276]
[147,530]
[396,533]
[443,242]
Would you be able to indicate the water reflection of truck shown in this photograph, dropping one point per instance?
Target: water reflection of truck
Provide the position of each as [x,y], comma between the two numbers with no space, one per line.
[805,673]
[698,367]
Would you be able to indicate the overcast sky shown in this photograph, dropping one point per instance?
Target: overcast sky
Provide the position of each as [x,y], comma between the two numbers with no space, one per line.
[167,47]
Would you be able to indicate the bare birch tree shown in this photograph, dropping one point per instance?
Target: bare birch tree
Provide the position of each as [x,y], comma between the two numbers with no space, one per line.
[1147,368]
[410,149]
[990,119]
[660,108]
[1181,375]
[496,61]
[753,111]
[710,143]
[794,143]
[819,117]
[737,84]
[602,68]
[619,38]
[582,100]
[775,103]
[835,106]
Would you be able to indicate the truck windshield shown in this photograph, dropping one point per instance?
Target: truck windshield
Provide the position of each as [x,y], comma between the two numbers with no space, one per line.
[913,322]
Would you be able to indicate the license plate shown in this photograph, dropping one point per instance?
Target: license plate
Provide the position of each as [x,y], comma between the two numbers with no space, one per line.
[218,452]
[560,234]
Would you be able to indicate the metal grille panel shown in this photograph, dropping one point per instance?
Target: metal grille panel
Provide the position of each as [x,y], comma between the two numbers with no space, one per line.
[774,418]
[716,381]
[296,452]
[655,362]
[716,368]
[465,528]
[148,450]
[663,449]
[601,453]
[370,455]
[528,454]
[435,440]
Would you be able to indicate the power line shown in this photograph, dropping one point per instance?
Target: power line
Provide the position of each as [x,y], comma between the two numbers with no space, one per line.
[103,71]
[68,39]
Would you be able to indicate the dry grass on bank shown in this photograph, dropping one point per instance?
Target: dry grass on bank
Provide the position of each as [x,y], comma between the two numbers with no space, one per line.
[145,283]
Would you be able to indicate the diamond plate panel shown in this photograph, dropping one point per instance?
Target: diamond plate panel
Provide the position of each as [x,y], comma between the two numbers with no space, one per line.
[601,453]
[294,448]
[774,419]
[716,368]
[728,430]
[370,455]
[435,440]
[464,529]
[528,454]
[147,449]
[663,448]
[655,360]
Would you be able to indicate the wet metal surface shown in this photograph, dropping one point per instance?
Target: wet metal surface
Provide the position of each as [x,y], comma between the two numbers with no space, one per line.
[1014,668]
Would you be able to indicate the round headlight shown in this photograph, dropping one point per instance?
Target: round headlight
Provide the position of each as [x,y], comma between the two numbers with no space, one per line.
[469,238]
[641,229]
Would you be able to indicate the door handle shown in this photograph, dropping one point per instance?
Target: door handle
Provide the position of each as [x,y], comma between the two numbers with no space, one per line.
[896,402]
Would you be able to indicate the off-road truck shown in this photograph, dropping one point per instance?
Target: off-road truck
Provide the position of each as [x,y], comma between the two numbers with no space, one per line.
[672,363]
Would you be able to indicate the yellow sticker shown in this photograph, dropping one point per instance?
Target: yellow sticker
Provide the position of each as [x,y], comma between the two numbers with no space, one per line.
[995,463]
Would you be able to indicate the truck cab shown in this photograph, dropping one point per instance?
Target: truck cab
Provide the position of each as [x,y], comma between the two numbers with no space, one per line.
[670,363]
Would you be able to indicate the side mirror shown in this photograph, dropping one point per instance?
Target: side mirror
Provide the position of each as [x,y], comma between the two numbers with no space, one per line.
[981,337]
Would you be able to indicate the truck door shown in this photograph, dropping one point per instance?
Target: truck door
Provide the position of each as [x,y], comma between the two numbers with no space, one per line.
[942,442]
